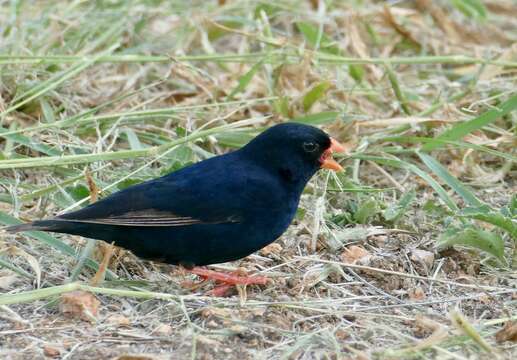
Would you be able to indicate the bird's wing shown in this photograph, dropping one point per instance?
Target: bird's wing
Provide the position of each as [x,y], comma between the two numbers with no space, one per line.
[169,201]
[150,217]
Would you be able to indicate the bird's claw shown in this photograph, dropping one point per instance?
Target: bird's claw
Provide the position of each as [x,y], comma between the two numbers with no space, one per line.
[228,281]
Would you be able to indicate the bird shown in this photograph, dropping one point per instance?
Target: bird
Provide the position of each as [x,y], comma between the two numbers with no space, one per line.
[220,209]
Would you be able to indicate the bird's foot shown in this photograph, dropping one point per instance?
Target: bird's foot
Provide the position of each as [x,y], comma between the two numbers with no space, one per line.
[236,278]
[228,280]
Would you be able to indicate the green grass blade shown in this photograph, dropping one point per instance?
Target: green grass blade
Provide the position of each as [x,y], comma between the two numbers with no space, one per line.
[85,254]
[8,265]
[450,180]
[395,211]
[440,142]
[50,292]
[316,38]
[32,295]
[416,170]
[245,79]
[31,143]
[399,94]
[459,130]
[366,210]
[315,94]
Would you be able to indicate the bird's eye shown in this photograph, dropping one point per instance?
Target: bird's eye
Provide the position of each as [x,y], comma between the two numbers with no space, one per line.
[310,147]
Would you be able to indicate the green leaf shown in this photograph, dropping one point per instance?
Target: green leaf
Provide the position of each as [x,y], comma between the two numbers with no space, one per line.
[300,214]
[471,8]
[282,106]
[311,34]
[450,180]
[78,192]
[356,72]
[132,139]
[435,209]
[366,210]
[268,8]
[394,212]
[461,129]
[475,238]
[48,112]
[30,143]
[489,215]
[128,182]
[399,94]
[245,79]
[215,32]
[315,94]
[512,206]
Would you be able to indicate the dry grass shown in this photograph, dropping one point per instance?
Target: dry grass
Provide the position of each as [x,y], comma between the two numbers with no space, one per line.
[132,91]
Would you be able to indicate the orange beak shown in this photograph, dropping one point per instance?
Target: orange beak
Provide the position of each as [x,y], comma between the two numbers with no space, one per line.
[327,162]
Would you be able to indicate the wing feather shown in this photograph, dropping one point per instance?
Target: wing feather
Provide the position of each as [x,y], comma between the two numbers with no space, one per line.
[150,217]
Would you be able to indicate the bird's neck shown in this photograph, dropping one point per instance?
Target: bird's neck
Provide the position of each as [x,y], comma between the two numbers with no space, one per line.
[294,178]
[293,173]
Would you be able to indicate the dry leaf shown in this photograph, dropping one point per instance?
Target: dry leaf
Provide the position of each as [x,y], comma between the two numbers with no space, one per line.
[390,20]
[359,46]
[502,7]
[492,71]
[273,248]
[397,121]
[485,299]
[354,253]
[440,18]
[108,250]
[507,333]
[163,330]
[51,351]
[423,256]
[7,280]
[136,357]
[417,294]
[80,304]
[118,320]
[215,311]
[423,324]
[92,186]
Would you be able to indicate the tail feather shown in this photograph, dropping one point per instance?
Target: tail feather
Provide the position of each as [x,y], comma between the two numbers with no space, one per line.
[43,225]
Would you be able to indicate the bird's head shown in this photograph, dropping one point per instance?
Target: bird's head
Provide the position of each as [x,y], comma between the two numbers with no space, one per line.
[297,151]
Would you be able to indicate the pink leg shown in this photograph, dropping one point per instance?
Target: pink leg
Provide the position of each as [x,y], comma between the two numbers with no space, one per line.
[229,279]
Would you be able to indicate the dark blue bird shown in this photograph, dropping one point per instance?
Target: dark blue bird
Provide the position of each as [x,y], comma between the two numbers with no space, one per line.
[217,210]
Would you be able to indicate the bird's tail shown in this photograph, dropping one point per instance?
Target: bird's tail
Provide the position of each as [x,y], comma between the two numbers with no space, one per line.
[42,225]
